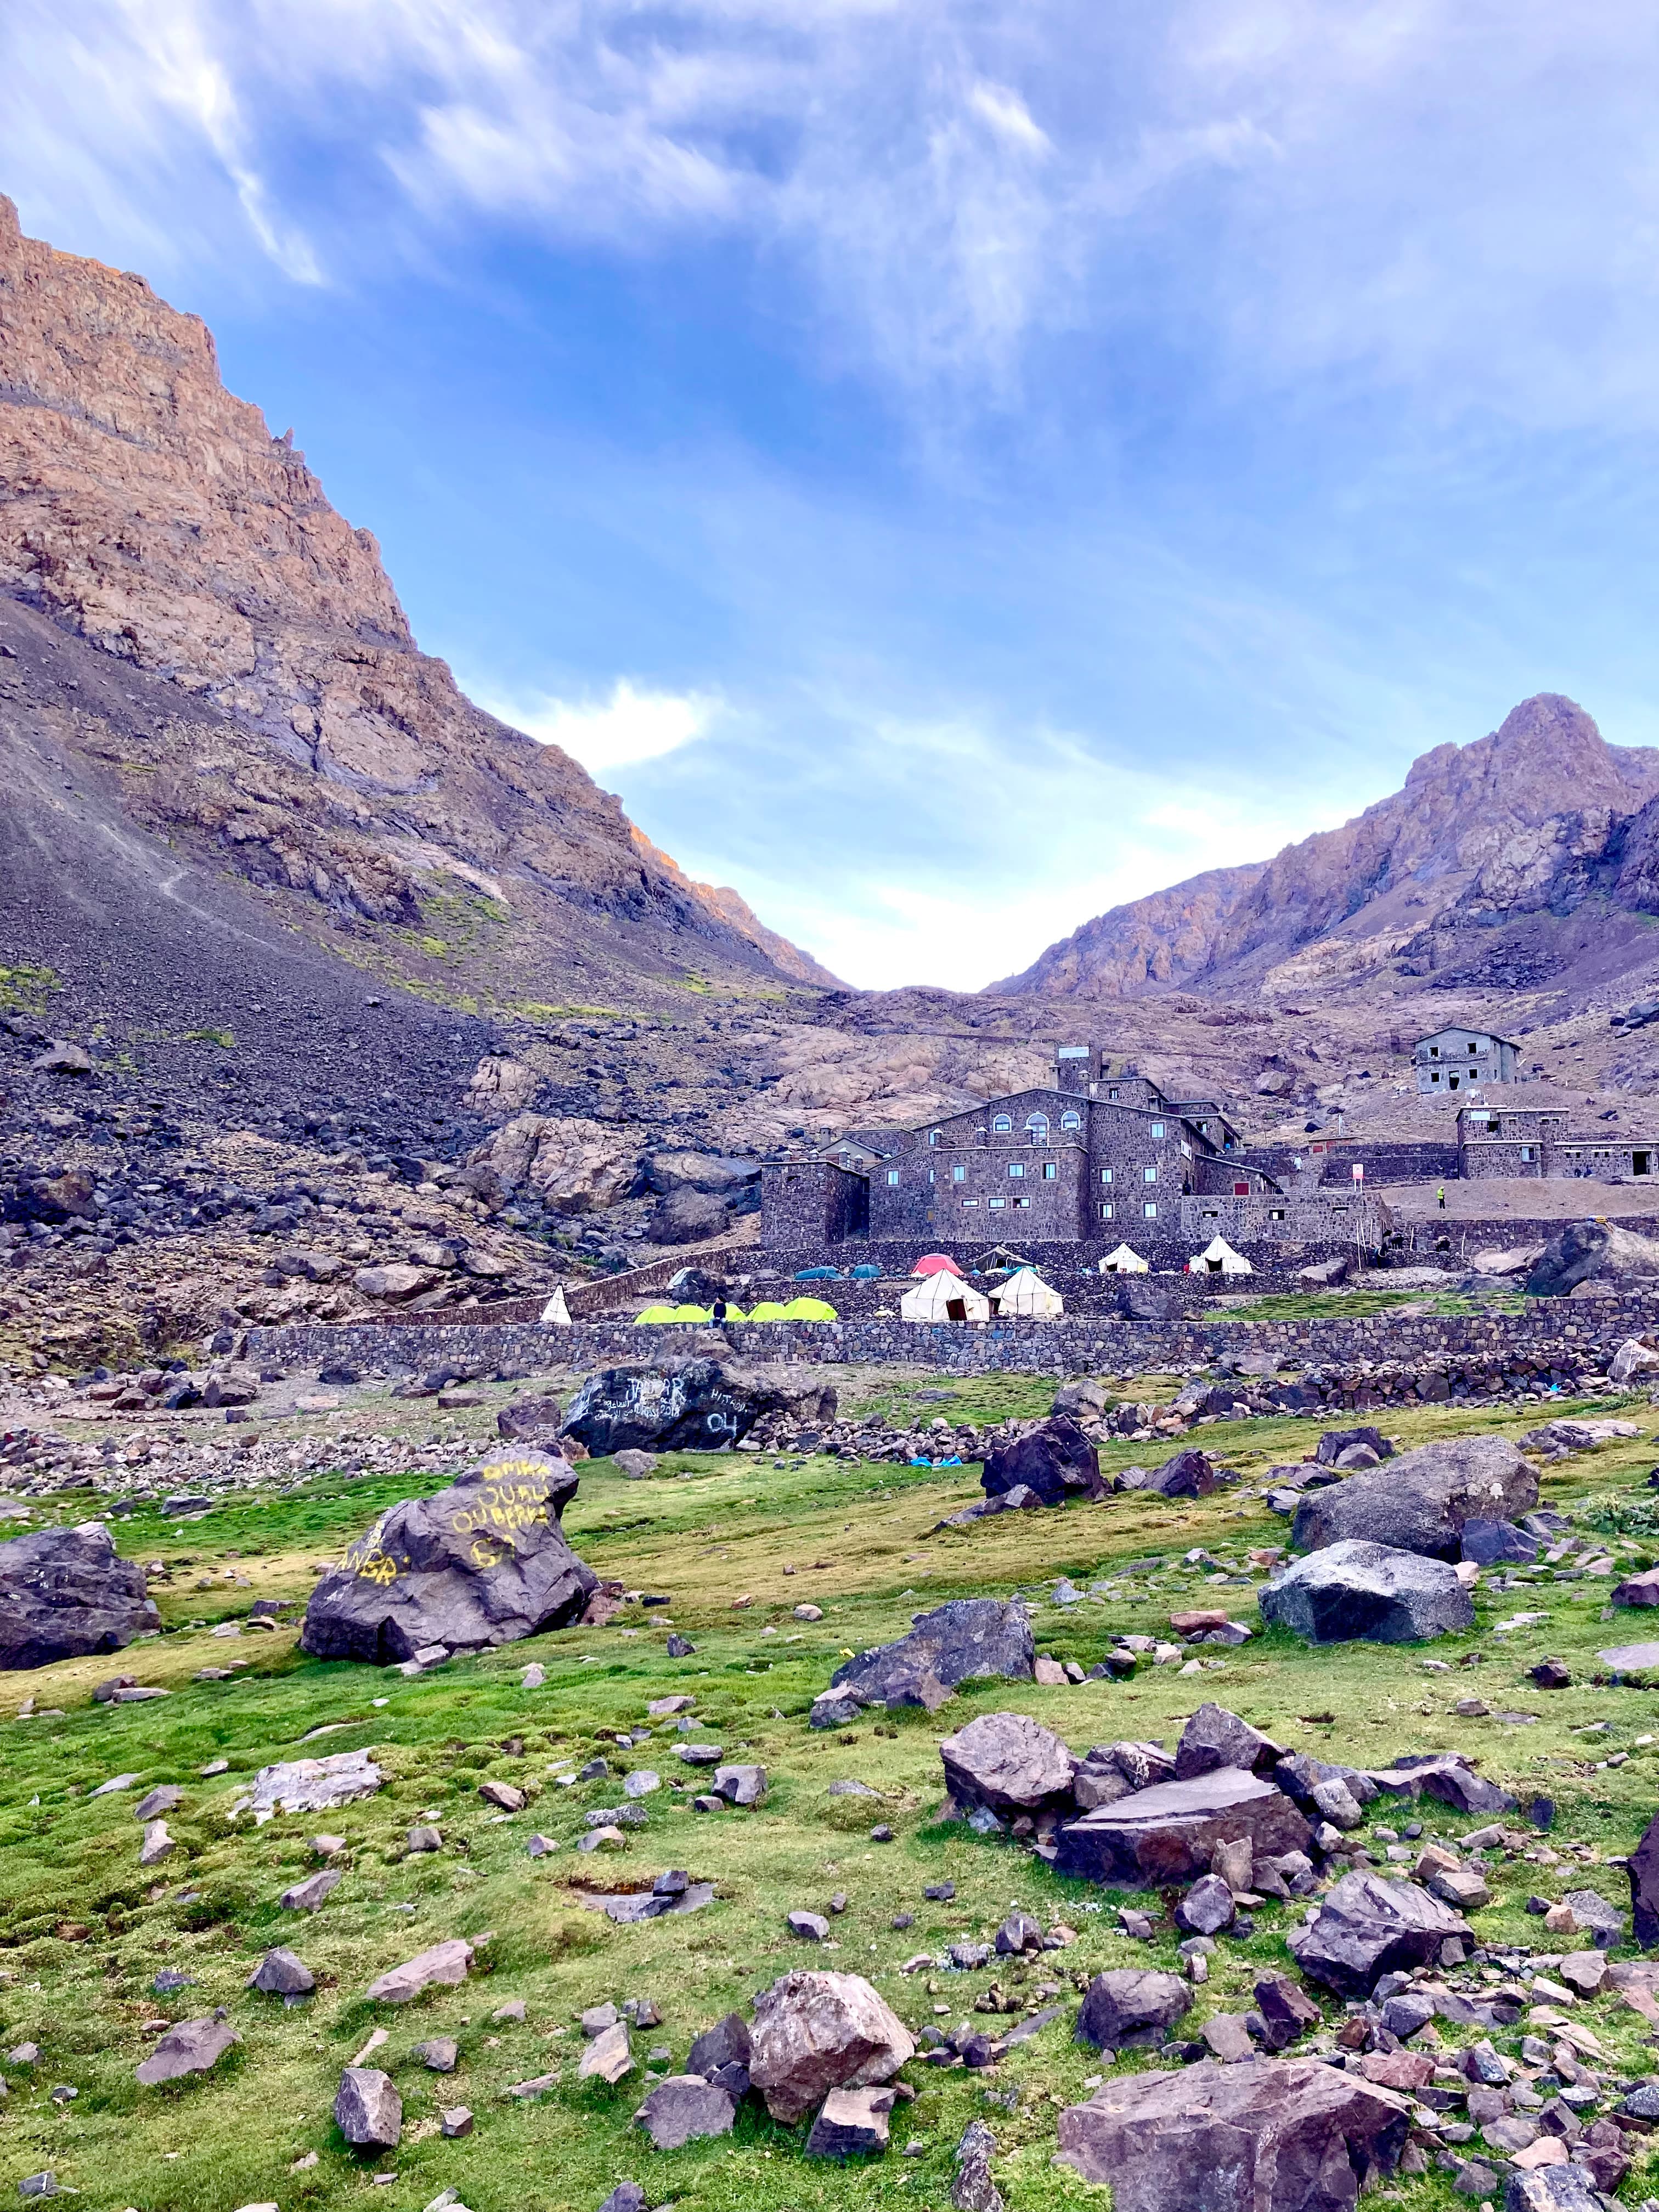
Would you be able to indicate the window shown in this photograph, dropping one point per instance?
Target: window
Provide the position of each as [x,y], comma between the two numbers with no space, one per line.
[959,1173]
[1474,1048]
[1022,1202]
[1112,1095]
[1157,1129]
[1016,1169]
[1528,1153]
[1036,1125]
[1050,1171]
[1186,1149]
[1070,1121]
[1106,1210]
[892,1178]
[1150,1210]
[1149,1174]
[970,1202]
[1105,1175]
[1241,1190]
[933,1136]
[1434,1052]
[995,1203]
[1002,1125]
[932,1177]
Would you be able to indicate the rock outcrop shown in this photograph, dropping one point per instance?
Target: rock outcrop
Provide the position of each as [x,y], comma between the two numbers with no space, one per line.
[687,1405]
[66,1592]
[482,1563]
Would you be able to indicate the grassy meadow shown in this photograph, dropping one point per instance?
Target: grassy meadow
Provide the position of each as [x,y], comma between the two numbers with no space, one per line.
[84,1931]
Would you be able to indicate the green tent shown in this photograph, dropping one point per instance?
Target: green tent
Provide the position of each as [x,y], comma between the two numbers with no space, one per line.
[809,1310]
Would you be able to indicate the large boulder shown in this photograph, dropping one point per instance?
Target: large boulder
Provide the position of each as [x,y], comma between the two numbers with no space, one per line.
[1291,2136]
[1129,2005]
[1590,1251]
[577,1166]
[1366,1928]
[814,2033]
[1168,1833]
[969,1637]
[1213,1737]
[65,1593]
[482,1563]
[1420,1501]
[1057,1462]
[1186,1473]
[1008,1763]
[688,1404]
[1352,1591]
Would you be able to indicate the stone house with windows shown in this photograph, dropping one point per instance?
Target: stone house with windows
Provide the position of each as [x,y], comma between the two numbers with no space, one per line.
[1535,1141]
[1458,1059]
[1099,1153]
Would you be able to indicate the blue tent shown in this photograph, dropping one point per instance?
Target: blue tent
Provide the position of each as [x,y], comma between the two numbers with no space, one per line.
[818,1275]
[866,1272]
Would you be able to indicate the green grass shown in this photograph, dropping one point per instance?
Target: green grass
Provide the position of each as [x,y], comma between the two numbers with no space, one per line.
[83,1930]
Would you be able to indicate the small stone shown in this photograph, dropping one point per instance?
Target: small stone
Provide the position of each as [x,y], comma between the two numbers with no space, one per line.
[281,1974]
[851,2123]
[164,1799]
[424,1839]
[811,1927]
[609,2056]
[157,1844]
[455,2120]
[439,2054]
[502,1795]
[306,1896]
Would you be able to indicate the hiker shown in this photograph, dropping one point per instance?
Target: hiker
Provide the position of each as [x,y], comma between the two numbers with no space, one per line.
[719,1315]
[1440,1193]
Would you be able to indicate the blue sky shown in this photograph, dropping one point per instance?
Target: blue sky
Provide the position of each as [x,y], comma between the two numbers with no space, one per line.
[950,465]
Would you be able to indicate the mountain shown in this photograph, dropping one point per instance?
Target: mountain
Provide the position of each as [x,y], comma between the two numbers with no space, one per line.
[1518,861]
[303,742]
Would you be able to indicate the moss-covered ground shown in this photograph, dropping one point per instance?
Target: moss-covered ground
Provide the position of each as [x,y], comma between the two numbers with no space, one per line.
[84,1931]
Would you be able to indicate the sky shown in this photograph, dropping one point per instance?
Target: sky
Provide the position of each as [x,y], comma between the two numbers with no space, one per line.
[950,465]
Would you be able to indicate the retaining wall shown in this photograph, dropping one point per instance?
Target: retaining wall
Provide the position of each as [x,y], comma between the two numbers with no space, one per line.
[1555,1339]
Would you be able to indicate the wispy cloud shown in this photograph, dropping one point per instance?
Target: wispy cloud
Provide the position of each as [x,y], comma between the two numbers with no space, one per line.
[606,734]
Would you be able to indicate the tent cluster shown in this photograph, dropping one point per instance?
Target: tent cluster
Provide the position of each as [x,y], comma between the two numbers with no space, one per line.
[1218,1258]
[942,1294]
[767,1310]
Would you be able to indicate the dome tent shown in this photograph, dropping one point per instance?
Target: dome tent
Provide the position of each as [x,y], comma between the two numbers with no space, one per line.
[942,1296]
[1126,1260]
[1025,1292]
[809,1310]
[936,1263]
[1219,1258]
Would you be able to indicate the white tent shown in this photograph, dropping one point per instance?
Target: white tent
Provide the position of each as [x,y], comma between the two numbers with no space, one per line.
[1219,1258]
[943,1298]
[1025,1292]
[1125,1262]
[556,1314]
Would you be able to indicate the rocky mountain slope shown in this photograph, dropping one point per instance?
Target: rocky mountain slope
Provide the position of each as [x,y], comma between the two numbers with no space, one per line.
[1520,859]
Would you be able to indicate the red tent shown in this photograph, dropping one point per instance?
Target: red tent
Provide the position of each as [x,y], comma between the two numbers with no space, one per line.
[935,1263]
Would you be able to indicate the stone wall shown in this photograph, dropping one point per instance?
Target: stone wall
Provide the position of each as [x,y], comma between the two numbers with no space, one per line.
[1559,1338]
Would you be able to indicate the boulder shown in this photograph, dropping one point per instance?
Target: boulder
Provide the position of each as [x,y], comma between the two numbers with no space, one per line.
[1167,1833]
[683,2109]
[282,1973]
[1008,1763]
[195,2046]
[1559,2187]
[1589,1251]
[368,2110]
[442,1966]
[851,2123]
[1353,1589]
[688,1404]
[1498,1543]
[1639,1589]
[65,1593]
[814,2033]
[972,2187]
[739,1784]
[1208,1906]
[1335,1442]
[1450,1776]
[1130,2005]
[1188,1474]
[482,1563]
[1290,2136]
[969,1637]
[1633,1358]
[1642,1868]
[1213,1738]
[609,2056]
[1300,1775]
[577,1166]
[1420,1501]
[538,1421]
[1286,2010]
[1366,1928]
[725,2044]
[1057,1462]
[1140,1300]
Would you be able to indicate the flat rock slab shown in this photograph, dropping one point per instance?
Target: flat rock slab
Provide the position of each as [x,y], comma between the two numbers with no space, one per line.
[1366,1928]
[1284,2135]
[813,2032]
[65,1593]
[311,1785]
[443,1967]
[1167,1834]
[1009,1763]
[1632,1658]
[955,1643]
[1353,1589]
[683,2108]
[481,1564]
[193,2047]
[626,1906]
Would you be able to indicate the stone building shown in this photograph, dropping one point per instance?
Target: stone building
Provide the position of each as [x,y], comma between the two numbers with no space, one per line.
[1458,1059]
[1535,1141]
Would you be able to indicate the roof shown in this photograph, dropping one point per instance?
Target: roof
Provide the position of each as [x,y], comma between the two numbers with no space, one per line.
[1464,1028]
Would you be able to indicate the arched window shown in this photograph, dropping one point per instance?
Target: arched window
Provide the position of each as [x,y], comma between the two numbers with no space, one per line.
[1001,1125]
[1036,1126]
[933,1136]
[1070,1121]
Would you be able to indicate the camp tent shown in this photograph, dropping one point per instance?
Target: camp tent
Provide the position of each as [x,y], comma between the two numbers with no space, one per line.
[1125,1262]
[653,1314]
[1025,1292]
[866,1272]
[809,1310]
[818,1275]
[1219,1258]
[943,1298]
[769,1310]
[935,1263]
[556,1314]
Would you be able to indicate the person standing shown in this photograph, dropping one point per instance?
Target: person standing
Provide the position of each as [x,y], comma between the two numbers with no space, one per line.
[1441,1194]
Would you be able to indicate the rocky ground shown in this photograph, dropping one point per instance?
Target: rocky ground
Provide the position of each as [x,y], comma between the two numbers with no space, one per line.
[1003,1992]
